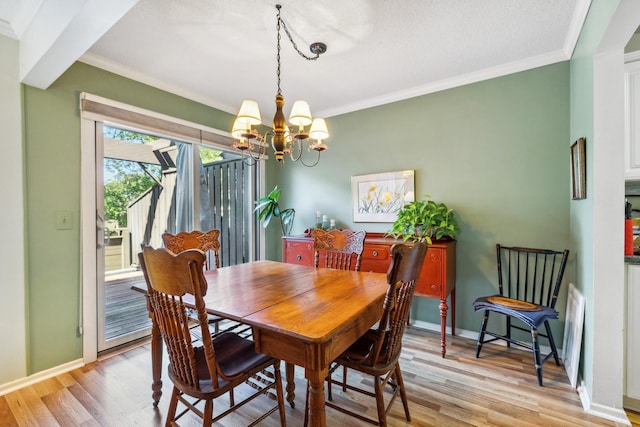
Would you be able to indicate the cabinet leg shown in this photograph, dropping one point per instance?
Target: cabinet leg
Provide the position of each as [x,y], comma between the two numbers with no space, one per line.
[443,326]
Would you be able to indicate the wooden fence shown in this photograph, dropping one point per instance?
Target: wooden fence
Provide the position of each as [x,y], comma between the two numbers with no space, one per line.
[225,205]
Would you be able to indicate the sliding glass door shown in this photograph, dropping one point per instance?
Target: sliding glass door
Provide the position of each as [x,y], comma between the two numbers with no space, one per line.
[149,185]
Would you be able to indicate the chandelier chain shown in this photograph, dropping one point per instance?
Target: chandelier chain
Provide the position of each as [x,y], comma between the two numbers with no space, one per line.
[280,22]
[293,43]
[278,54]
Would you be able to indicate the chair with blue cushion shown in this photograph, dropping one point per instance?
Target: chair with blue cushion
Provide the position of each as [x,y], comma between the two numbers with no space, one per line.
[529,281]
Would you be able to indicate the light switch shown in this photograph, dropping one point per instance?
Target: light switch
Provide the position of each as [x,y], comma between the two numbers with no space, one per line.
[64,220]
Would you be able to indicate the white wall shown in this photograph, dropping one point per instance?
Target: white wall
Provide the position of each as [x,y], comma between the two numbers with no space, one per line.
[12,276]
[608,211]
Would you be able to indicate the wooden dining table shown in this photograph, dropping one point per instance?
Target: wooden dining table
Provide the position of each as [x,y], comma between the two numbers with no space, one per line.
[301,315]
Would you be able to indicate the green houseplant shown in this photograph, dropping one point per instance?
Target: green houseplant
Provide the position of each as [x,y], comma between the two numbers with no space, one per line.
[425,220]
[268,207]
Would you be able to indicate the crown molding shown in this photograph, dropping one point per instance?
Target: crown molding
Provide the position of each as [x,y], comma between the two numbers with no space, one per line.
[7,30]
[456,81]
[575,27]
[102,63]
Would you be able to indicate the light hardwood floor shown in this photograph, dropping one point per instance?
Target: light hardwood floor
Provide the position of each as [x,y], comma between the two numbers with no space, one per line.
[499,389]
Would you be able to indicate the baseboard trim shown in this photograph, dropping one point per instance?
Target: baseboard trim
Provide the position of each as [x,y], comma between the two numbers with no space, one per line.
[40,376]
[631,403]
[472,335]
[600,411]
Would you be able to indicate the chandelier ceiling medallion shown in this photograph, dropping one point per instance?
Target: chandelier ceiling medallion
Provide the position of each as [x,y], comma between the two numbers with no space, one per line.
[284,142]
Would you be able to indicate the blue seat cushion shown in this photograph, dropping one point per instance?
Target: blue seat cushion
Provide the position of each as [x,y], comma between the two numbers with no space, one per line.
[531,314]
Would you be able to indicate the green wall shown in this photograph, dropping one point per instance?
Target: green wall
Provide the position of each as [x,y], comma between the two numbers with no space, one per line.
[12,248]
[496,151]
[582,125]
[52,153]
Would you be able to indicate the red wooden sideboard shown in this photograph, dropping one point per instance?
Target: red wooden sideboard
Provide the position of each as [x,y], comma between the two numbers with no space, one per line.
[437,278]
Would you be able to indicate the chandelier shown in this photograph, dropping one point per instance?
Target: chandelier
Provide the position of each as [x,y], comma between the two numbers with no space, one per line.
[253,145]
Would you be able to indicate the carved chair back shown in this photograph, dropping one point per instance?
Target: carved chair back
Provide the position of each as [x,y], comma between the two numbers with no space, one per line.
[203,240]
[339,249]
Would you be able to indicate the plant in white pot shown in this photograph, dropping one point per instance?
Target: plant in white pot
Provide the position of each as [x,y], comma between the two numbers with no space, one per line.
[269,207]
[425,220]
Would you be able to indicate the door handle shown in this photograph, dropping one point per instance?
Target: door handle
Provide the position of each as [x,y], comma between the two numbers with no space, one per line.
[100,243]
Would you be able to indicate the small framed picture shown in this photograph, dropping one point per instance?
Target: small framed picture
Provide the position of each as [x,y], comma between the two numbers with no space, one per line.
[579,169]
[378,197]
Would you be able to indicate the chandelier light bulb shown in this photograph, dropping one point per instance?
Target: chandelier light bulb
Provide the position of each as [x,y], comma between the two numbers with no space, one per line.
[319,130]
[300,114]
[239,128]
[250,112]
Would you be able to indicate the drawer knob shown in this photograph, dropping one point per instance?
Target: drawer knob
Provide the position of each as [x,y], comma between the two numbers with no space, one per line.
[375,253]
[299,257]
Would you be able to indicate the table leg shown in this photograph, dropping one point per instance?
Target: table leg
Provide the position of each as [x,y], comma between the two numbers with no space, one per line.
[443,326]
[291,385]
[317,416]
[156,362]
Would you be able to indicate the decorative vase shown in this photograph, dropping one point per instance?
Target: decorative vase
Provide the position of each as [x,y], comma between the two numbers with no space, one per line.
[286,220]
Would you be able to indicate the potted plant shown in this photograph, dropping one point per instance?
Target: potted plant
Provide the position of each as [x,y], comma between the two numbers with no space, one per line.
[268,208]
[425,220]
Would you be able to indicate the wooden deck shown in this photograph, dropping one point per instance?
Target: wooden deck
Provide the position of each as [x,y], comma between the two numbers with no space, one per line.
[125,309]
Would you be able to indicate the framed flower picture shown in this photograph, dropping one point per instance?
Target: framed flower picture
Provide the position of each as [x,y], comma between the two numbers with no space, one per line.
[378,197]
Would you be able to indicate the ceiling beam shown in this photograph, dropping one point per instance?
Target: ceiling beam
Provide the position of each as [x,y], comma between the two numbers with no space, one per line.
[60,32]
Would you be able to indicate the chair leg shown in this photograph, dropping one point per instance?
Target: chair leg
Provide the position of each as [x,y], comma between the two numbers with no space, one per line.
[344,379]
[508,330]
[382,413]
[403,394]
[536,355]
[483,328]
[173,405]
[279,393]
[306,407]
[552,343]
[208,413]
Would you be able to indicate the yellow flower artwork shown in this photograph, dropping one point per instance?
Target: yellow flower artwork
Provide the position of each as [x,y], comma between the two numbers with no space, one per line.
[378,197]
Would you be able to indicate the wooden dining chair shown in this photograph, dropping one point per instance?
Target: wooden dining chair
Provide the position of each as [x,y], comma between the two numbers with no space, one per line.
[339,249]
[377,353]
[209,243]
[222,363]
[529,281]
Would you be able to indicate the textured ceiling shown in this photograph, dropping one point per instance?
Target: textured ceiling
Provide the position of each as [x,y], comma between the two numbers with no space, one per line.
[220,52]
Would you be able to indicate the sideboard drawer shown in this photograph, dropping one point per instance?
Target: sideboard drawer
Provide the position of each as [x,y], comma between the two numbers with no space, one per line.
[433,289]
[375,258]
[298,252]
